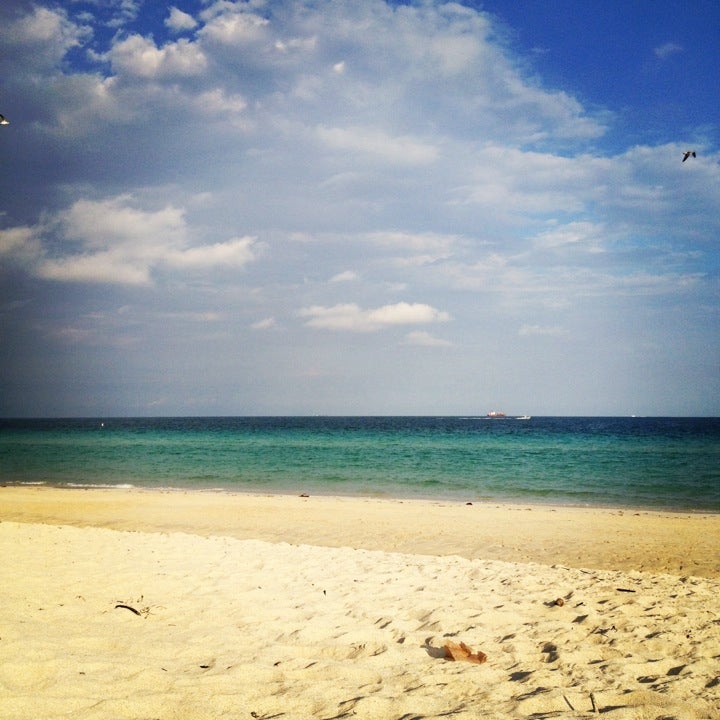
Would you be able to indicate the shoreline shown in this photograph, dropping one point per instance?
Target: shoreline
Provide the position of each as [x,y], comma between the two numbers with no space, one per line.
[646,540]
[292,491]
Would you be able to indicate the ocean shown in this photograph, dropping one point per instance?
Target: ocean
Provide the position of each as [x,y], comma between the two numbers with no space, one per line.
[671,463]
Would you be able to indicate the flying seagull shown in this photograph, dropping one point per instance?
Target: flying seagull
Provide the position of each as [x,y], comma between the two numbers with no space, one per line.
[4,120]
[688,153]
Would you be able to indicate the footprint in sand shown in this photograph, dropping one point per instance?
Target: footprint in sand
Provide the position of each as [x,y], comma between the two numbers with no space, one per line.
[550,651]
[352,652]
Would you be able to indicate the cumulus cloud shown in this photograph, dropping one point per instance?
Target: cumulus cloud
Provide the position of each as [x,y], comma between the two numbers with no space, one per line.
[140,56]
[179,21]
[350,316]
[123,11]
[233,24]
[41,38]
[113,241]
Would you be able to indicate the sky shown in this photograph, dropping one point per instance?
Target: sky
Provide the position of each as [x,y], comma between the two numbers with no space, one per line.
[359,207]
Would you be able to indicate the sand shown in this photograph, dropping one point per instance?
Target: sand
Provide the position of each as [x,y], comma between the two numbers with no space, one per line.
[169,605]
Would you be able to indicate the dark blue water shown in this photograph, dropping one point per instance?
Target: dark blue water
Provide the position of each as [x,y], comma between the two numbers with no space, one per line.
[628,462]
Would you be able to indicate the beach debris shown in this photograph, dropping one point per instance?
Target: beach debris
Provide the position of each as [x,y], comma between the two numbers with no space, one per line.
[624,590]
[128,607]
[304,495]
[460,651]
[559,602]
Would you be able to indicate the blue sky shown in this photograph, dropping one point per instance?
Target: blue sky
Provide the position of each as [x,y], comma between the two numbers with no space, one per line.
[342,207]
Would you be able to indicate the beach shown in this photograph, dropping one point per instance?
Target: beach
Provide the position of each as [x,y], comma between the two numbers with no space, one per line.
[141,604]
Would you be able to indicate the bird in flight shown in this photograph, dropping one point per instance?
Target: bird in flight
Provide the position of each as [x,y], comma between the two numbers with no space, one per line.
[687,154]
[4,120]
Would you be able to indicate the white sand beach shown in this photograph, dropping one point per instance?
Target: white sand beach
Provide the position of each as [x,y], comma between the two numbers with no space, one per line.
[138,605]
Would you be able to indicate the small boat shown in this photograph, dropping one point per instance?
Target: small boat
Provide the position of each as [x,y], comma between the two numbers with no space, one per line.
[523,417]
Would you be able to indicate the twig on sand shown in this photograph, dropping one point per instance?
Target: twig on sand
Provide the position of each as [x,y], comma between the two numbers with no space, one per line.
[127,607]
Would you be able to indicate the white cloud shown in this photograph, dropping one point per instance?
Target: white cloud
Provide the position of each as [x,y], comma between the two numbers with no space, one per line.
[406,313]
[574,233]
[435,243]
[113,241]
[415,249]
[667,49]
[218,102]
[20,245]
[45,26]
[425,339]
[115,221]
[179,21]
[264,324]
[511,181]
[346,276]
[124,11]
[195,317]
[351,317]
[233,24]
[377,143]
[101,267]
[47,34]
[140,56]
[231,253]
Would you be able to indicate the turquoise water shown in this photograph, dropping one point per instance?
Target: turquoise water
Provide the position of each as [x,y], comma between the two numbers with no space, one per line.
[630,462]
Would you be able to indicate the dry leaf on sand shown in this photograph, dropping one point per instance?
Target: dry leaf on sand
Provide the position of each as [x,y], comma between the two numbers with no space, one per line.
[453,651]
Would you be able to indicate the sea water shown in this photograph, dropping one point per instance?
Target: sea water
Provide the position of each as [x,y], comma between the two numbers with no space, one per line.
[626,462]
